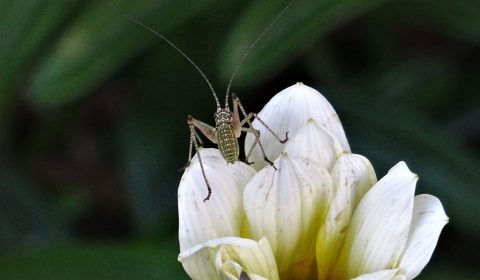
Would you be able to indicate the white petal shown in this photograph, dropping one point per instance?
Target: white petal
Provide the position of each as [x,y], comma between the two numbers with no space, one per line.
[228,258]
[353,176]
[289,110]
[315,143]
[356,175]
[287,206]
[429,218]
[378,231]
[222,214]
[386,274]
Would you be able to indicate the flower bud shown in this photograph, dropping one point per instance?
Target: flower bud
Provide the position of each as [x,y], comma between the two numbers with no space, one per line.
[288,111]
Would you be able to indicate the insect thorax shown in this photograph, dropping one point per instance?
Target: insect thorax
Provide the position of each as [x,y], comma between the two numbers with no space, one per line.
[226,140]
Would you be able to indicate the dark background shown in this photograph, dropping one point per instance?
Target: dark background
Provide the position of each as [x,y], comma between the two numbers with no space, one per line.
[93,116]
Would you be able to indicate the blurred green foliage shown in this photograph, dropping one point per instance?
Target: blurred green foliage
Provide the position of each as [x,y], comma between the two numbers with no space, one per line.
[93,110]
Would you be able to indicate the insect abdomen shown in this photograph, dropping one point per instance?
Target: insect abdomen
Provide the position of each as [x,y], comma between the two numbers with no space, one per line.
[227,142]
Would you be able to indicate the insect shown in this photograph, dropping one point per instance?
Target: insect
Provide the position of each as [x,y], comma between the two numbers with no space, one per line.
[228,128]
[228,124]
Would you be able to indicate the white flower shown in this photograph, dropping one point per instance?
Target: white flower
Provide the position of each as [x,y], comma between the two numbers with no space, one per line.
[321,215]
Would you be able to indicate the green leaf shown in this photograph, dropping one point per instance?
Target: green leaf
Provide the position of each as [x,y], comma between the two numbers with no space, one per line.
[297,30]
[98,42]
[24,27]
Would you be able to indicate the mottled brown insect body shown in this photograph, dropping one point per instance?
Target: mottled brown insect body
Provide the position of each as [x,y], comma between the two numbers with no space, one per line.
[226,140]
[228,127]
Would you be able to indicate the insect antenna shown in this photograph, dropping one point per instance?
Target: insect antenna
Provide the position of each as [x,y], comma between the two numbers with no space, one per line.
[176,48]
[250,48]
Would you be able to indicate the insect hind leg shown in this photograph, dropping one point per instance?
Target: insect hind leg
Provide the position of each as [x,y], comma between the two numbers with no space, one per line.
[283,141]
[256,132]
[196,141]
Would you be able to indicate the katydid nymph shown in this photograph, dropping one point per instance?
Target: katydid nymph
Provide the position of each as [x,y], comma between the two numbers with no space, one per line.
[228,123]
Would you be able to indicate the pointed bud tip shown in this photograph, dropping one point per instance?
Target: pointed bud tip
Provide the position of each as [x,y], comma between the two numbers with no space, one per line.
[402,169]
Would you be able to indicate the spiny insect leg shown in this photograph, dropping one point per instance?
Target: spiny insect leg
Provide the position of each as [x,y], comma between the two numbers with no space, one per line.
[193,135]
[206,129]
[193,138]
[271,131]
[254,143]
[256,132]
[196,141]
[251,129]
[190,147]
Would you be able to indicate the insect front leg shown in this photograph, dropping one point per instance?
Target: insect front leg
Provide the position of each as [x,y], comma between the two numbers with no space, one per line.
[251,129]
[196,141]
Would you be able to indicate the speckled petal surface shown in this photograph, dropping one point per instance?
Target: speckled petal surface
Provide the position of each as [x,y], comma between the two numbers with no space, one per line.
[429,218]
[378,231]
[222,214]
[353,176]
[287,206]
